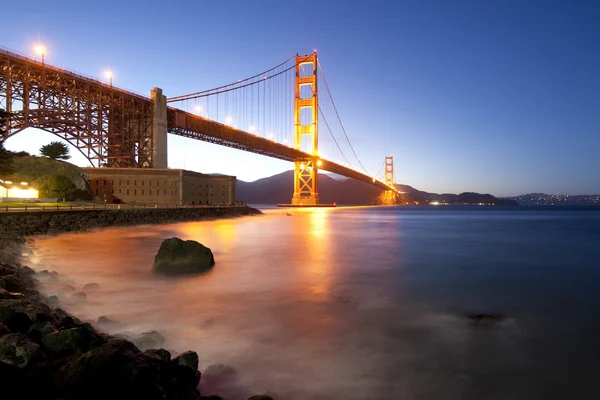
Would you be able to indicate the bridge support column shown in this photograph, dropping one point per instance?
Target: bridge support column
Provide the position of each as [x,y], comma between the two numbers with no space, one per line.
[306,175]
[159,129]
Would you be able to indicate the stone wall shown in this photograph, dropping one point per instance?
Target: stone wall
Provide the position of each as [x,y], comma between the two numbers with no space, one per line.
[53,222]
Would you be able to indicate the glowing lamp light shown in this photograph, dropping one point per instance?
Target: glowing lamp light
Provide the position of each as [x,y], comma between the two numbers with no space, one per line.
[251,129]
[198,110]
[270,136]
[228,121]
[109,75]
[319,163]
[41,50]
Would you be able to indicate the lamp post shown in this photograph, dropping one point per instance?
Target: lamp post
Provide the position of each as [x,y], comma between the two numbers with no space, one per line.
[41,50]
[109,76]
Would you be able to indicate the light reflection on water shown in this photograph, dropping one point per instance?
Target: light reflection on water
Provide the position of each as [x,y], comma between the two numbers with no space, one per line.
[341,303]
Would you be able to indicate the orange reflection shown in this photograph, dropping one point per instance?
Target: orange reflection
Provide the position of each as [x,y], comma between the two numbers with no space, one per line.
[318,270]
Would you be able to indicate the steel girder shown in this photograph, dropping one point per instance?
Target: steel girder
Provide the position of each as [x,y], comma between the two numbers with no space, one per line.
[108,126]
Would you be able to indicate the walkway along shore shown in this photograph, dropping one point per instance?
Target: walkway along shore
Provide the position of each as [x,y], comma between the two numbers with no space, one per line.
[45,353]
[53,222]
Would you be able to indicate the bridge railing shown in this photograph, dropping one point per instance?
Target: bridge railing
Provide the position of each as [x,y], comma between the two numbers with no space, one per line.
[90,207]
[79,75]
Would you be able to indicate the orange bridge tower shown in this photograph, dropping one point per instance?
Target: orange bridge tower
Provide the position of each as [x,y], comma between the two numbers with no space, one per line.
[306,114]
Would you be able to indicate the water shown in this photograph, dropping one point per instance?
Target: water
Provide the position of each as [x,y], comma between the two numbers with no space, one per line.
[363,303]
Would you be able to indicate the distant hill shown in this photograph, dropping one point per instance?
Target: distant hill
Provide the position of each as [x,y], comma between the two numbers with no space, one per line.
[278,189]
[543,199]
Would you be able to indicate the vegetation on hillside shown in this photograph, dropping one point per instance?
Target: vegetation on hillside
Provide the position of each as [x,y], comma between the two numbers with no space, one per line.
[55,186]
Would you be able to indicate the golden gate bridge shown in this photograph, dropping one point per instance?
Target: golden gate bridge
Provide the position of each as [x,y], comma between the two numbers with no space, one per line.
[286,112]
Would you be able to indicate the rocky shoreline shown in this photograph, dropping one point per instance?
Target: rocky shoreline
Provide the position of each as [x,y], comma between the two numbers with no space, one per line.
[53,222]
[45,353]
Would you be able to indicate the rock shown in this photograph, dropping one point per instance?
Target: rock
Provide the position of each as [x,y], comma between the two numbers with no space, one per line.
[90,287]
[149,340]
[52,300]
[189,359]
[71,341]
[483,319]
[114,370]
[79,297]
[182,376]
[176,256]
[17,350]
[260,397]
[4,329]
[219,374]
[158,354]
[16,314]
[11,283]
[40,329]
[107,323]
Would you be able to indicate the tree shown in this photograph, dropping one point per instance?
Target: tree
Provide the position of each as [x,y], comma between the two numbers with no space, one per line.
[5,155]
[55,151]
[58,186]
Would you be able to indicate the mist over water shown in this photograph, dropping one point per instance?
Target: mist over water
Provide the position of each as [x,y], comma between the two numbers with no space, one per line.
[360,303]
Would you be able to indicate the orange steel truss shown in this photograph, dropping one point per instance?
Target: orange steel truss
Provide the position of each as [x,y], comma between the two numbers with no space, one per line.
[306,178]
[389,171]
[109,126]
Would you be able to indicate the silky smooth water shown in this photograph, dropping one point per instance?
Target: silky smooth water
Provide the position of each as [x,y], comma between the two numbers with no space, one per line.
[363,303]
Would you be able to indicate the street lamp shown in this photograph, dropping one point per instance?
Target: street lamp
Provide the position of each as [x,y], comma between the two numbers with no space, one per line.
[41,50]
[109,76]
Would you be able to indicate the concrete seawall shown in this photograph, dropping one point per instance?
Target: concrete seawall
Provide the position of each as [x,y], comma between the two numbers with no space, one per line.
[53,222]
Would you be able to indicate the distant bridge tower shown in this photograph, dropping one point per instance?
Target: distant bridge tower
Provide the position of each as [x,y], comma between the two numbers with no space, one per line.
[390,197]
[389,170]
[306,179]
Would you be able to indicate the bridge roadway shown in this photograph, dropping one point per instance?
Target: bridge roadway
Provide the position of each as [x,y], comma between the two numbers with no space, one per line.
[19,73]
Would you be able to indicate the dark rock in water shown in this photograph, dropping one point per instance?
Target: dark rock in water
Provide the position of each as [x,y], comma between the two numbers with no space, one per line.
[78,296]
[189,359]
[219,374]
[483,319]
[107,323]
[17,350]
[176,256]
[158,354]
[260,397]
[115,370]
[71,341]
[91,286]
[149,340]
[183,374]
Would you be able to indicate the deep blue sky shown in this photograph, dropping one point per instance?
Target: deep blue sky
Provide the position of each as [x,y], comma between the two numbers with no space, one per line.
[489,96]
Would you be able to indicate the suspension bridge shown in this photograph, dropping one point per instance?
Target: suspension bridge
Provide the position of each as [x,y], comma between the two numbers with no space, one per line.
[286,112]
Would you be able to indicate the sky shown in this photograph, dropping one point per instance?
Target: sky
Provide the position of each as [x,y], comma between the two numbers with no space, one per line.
[499,97]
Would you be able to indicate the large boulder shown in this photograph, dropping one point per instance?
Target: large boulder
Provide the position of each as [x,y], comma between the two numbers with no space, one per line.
[177,256]
[17,350]
[149,340]
[117,369]
[71,341]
